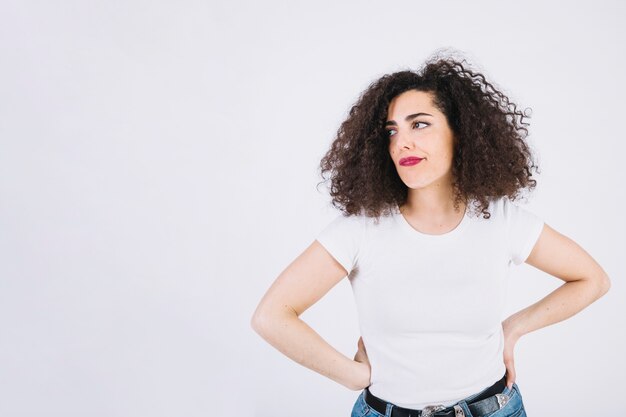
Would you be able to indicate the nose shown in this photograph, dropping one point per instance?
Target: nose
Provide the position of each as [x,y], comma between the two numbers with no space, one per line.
[404,139]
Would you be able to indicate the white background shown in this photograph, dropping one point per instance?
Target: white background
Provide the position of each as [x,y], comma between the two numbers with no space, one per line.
[158,170]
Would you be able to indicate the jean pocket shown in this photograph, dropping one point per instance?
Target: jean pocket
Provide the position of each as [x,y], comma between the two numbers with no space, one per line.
[357,408]
[513,407]
[362,409]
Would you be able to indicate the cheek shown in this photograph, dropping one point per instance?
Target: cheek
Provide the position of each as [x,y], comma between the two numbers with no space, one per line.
[445,152]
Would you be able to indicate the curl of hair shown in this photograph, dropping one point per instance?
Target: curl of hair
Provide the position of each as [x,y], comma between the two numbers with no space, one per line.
[491,158]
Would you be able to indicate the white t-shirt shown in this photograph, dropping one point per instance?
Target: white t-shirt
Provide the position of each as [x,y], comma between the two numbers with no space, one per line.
[430,306]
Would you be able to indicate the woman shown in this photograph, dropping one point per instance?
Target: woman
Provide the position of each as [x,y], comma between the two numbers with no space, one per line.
[417,152]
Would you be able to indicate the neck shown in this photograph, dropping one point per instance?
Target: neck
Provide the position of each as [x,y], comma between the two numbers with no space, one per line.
[432,202]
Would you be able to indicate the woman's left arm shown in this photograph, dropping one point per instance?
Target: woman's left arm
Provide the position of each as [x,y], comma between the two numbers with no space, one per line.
[585,282]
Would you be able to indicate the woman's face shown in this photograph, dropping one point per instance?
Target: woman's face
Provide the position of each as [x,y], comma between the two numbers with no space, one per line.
[426,136]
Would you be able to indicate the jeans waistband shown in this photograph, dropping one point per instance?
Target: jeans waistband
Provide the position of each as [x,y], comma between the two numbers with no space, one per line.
[485,402]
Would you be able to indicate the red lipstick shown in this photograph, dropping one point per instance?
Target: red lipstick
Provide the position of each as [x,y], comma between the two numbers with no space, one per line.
[411,160]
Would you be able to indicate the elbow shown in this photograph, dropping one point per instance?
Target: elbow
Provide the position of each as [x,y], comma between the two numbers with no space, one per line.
[263,321]
[259,317]
[606,285]
[256,322]
[603,285]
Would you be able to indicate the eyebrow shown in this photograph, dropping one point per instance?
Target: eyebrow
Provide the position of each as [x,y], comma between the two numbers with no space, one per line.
[408,118]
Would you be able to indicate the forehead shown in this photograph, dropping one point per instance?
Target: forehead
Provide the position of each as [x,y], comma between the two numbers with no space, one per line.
[410,102]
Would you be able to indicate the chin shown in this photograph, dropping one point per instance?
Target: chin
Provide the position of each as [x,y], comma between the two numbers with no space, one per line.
[415,186]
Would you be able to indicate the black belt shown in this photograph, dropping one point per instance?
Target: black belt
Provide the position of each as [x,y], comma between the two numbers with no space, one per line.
[485,403]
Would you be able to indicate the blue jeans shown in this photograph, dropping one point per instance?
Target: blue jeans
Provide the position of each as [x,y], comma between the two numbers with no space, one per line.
[513,408]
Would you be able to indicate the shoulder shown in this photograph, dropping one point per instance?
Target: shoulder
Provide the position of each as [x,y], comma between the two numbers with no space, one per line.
[505,208]
[348,221]
[354,226]
[343,224]
[354,220]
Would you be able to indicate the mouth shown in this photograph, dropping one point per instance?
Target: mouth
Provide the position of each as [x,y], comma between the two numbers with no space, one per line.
[410,161]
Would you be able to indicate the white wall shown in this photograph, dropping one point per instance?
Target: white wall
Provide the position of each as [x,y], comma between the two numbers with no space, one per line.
[158,170]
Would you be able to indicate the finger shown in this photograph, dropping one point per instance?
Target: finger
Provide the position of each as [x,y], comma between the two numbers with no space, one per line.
[510,369]
[510,376]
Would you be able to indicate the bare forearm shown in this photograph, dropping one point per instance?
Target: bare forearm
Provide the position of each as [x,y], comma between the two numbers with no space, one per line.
[297,340]
[560,304]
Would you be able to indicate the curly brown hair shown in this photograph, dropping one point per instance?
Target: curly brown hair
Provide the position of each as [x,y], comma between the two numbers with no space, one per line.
[491,158]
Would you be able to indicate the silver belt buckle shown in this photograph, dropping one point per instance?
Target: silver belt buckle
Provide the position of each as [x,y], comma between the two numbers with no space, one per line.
[429,410]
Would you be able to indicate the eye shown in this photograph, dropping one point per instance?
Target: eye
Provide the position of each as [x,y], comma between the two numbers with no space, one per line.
[413,125]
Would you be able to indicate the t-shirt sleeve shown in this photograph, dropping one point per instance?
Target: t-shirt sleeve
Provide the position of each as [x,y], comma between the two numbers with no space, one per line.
[524,228]
[341,238]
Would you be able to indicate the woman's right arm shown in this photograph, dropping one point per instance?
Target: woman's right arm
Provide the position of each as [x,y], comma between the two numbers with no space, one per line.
[276,319]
